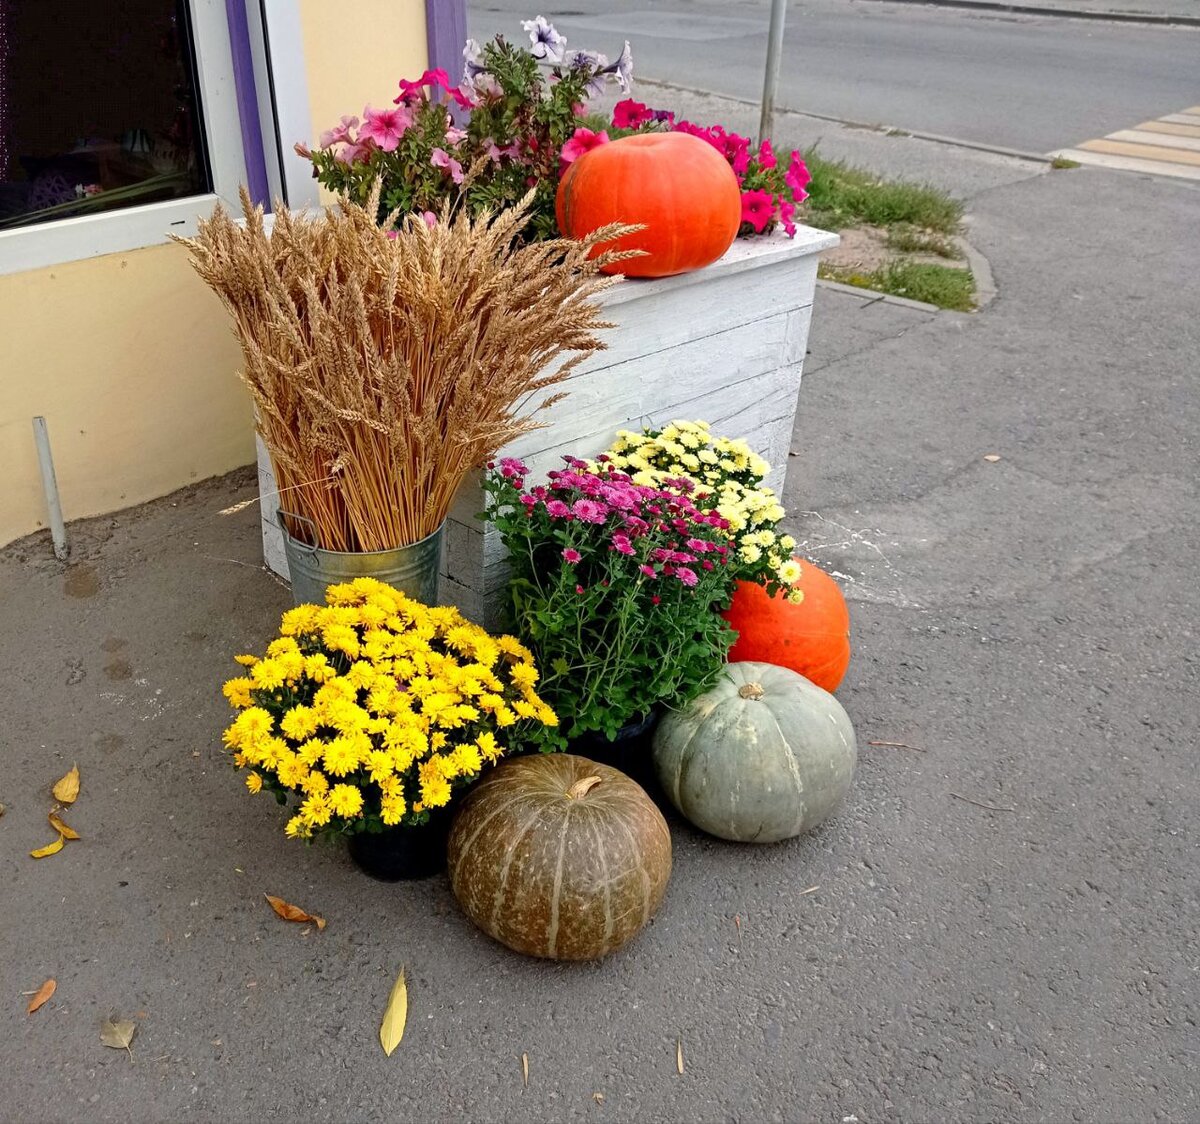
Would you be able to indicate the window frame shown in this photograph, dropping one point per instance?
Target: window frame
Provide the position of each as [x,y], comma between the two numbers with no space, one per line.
[86,236]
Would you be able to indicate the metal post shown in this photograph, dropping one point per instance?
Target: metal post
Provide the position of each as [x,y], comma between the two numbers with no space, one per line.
[771,76]
[58,530]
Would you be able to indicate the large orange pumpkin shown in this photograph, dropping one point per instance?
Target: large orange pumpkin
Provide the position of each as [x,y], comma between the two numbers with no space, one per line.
[679,187]
[812,637]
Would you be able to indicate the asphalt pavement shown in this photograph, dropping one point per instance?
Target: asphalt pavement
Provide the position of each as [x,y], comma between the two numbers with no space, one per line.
[1001,923]
[1035,83]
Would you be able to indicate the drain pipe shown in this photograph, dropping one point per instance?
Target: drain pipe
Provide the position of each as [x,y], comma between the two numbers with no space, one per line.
[58,529]
[771,76]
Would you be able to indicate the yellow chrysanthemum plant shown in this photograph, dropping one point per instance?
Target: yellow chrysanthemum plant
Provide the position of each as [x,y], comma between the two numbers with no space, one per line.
[723,475]
[372,710]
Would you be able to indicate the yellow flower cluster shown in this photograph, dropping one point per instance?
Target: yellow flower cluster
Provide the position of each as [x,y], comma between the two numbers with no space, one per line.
[375,705]
[729,480]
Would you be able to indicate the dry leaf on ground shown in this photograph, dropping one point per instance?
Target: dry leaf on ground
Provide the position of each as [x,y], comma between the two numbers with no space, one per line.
[42,995]
[991,458]
[291,912]
[66,788]
[61,828]
[118,1034]
[679,1054]
[391,1030]
[48,849]
[525,1070]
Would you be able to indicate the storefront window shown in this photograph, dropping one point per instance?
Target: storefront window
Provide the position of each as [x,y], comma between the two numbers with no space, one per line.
[99,108]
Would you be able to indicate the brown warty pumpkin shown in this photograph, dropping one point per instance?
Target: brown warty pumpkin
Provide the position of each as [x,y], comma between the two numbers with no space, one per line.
[558,856]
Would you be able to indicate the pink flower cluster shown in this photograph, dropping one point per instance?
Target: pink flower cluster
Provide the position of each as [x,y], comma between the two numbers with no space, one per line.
[769,194]
[665,534]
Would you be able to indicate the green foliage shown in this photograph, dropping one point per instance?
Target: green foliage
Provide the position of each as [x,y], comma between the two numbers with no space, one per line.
[944,286]
[514,124]
[840,195]
[615,633]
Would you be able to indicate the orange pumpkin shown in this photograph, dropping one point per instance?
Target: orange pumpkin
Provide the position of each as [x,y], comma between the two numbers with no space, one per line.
[679,187]
[812,637]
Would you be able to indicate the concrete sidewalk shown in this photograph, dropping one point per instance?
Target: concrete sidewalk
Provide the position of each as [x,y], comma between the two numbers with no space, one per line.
[1005,922]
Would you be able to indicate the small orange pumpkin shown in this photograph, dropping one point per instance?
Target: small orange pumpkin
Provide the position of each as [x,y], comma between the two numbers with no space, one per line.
[679,187]
[812,637]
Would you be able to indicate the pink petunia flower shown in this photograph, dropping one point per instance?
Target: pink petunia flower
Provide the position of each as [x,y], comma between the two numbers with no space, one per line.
[572,556]
[787,212]
[797,177]
[766,155]
[385,126]
[339,133]
[440,158]
[629,114]
[758,208]
[414,91]
[582,140]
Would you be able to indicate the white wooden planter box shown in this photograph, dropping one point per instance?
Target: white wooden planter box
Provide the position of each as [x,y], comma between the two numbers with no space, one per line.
[724,345]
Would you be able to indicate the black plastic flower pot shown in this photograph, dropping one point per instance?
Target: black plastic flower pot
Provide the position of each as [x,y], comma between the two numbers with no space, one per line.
[399,854]
[630,751]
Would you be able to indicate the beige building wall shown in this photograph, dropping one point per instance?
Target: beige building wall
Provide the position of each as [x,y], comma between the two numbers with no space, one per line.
[129,357]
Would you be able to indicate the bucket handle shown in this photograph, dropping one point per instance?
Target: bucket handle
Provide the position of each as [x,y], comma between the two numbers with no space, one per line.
[282,515]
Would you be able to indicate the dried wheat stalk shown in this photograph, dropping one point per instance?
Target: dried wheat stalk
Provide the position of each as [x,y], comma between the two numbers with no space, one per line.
[386,362]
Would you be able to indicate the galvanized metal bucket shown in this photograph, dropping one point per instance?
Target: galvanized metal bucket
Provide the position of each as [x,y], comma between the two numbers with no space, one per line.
[413,570]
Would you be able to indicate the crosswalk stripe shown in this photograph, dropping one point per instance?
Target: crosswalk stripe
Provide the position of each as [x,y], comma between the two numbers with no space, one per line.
[1172,130]
[1142,151]
[1129,164]
[1137,136]
[1167,146]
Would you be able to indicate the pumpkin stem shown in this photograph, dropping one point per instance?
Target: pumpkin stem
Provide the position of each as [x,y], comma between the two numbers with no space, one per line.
[752,691]
[582,787]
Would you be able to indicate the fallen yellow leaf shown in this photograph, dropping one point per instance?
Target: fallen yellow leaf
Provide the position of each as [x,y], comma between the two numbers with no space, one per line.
[42,995]
[291,912]
[61,828]
[679,1054]
[48,849]
[118,1033]
[66,788]
[391,1030]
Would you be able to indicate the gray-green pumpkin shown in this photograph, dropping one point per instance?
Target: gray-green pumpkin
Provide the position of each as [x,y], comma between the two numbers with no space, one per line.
[763,756]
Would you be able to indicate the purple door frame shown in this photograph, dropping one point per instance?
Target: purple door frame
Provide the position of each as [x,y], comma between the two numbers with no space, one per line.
[445,34]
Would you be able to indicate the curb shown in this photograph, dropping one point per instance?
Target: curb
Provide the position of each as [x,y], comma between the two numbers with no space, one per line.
[981,270]
[873,296]
[1149,19]
[872,127]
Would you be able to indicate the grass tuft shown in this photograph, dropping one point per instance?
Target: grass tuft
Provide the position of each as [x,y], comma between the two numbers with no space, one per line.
[939,285]
[842,195]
